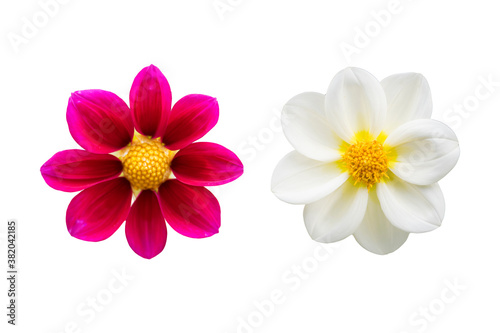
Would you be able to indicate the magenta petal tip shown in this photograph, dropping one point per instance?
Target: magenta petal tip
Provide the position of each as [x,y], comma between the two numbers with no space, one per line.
[150,101]
[191,118]
[192,211]
[206,164]
[98,211]
[145,228]
[74,169]
[99,120]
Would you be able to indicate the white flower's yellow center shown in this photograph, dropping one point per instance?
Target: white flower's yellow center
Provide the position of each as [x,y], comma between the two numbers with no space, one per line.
[146,163]
[367,162]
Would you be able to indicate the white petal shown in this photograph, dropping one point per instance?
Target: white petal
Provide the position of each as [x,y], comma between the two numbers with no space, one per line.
[306,128]
[408,98]
[338,215]
[301,180]
[355,102]
[409,207]
[376,234]
[426,151]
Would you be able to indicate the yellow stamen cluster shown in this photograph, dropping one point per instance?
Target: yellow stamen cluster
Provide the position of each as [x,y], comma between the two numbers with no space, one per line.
[366,162]
[146,165]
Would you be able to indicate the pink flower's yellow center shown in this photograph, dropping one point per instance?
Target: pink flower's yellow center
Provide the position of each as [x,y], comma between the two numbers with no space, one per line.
[146,163]
[367,162]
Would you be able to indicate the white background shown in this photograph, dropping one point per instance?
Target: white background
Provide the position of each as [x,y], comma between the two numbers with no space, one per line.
[253,58]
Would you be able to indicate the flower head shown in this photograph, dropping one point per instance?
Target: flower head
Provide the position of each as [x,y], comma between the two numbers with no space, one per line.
[367,159]
[148,152]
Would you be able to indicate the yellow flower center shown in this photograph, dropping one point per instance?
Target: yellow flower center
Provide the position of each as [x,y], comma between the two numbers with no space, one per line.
[366,162]
[146,163]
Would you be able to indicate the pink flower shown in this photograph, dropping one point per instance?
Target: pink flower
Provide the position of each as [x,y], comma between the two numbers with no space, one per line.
[158,164]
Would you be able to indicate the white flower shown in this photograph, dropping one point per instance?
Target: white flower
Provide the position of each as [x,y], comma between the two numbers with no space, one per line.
[367,159]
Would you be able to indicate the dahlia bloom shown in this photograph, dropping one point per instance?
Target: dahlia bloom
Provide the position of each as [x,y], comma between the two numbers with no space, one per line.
[157,163]
[367,159]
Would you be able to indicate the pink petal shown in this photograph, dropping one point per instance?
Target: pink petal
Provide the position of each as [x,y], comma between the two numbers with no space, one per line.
[99,121]
[74,169]
[97,212]
[191,118]
[190,210]
[146,229]
[206,164]
[150,101]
